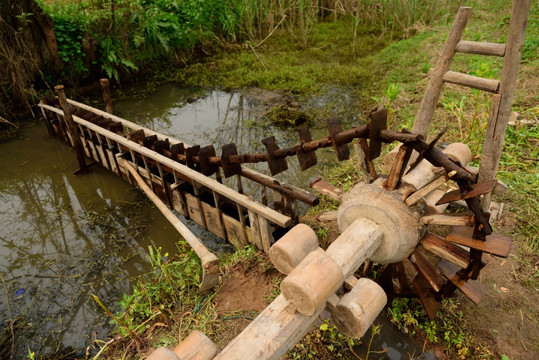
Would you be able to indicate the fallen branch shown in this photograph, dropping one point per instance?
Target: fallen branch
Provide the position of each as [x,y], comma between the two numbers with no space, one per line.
[8,122]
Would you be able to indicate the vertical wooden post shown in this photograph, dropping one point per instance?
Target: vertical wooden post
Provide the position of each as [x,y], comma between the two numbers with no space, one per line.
[72,129]
[497,125]
[106,95]
[434,88]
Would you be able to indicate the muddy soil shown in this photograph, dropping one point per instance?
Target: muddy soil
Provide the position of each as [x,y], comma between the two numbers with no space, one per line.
[507,318]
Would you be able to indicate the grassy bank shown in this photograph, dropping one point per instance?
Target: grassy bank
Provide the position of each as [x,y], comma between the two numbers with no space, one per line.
[389,65]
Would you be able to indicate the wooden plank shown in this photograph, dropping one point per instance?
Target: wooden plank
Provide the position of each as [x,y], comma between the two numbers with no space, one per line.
[446,250]
[213,220]
[450,220]
[334,127]
[427,189]
[426,269]
[378,122]
[474,82]
[306,159]
[473,289]
[195,212]
[264,211]
[235,232]
[476,190]
[434,88]
[327,189]
[426,296]
[494,244]
[362,161]
[398,167]
[275,164]
[255,230]
[265,234]
[481,48]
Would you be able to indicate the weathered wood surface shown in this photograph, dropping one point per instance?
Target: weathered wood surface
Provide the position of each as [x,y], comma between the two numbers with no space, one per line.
[261,210]
[251,174]
[480,48]
[325,188]
[473,289]
[426,269]
[73,132]
[311,283]
[210,262]
[196,346]
[357,309]
[474,82]
[494,244]
[432,93]
[449,220]
[293,247]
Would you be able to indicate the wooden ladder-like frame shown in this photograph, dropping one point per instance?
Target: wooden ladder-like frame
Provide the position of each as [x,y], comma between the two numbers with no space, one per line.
[504,89]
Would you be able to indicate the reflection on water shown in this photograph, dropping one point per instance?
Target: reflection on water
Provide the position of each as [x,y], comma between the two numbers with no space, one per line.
[220,118]
[64,237]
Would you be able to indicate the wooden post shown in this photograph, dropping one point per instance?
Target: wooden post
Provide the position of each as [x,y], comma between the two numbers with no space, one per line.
[106,95]
[497,123]
[77,145]
[434,88]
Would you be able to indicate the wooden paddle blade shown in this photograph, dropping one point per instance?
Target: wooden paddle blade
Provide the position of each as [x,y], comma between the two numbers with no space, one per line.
[160,146]
[378,122]
[426,269]
[426,296]
[137,136]
[397,169]
[494,244]
[149,140]
[334,127]
[191,152]
[476,190]
[275,164]
[306,159]
[446,250]
[228,168]
[206,167]
[473,289]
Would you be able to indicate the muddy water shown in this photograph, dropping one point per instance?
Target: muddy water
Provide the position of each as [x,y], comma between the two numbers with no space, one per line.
[64,237]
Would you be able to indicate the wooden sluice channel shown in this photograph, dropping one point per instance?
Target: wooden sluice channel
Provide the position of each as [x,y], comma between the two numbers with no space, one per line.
[229,214]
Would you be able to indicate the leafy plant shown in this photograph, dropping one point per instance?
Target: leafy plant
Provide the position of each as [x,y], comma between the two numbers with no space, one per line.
[114,58]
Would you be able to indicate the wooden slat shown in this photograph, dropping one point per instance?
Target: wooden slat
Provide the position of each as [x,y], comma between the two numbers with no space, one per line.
[476,190]
[397,169]
[427,270]
[450,220]
[427,189]
[251,174]
[471,81]
[323,187]
[494,244]
[264,211]
[446,250]
[473,289]
[480,48]
[426,296]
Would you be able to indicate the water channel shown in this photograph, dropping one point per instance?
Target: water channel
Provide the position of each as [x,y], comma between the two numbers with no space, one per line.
[64,237]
